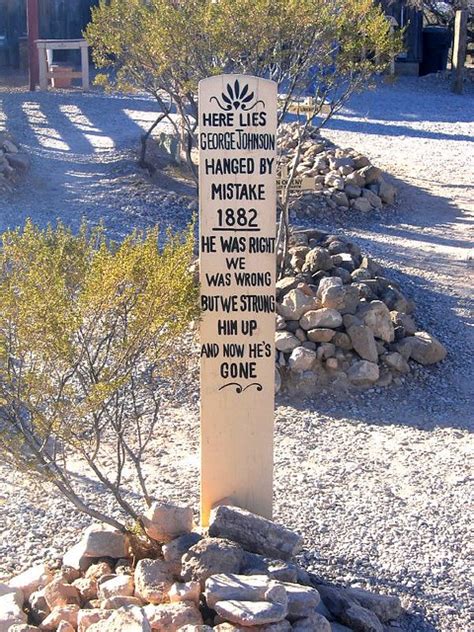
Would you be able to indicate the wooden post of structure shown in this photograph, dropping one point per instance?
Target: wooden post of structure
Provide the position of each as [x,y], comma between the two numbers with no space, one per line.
[33,35]
[459,50]
[237,197]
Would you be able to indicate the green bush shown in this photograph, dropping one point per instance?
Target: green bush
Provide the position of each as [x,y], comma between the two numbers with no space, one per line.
[89,340]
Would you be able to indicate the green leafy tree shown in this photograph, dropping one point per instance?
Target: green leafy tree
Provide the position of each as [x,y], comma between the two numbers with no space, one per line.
[325,49]
[89,342]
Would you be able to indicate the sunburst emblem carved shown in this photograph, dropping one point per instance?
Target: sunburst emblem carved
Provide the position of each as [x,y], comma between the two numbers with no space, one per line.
[236,97]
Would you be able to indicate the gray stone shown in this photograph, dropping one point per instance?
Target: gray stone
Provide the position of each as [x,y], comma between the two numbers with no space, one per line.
[170,617]
[11,611]
[302,600]
[88,617]
[387,192]
[38,607]
[386,607]
[76,558]
[229,587]
[340,198]
[119,601]
[294,304]
[347,610]
[359,161]
[318,259]
[362,205]
[426,349]
[119,586]
[174,550]
[399,319]
[18,161]
[396,361]
[101,540]
[376,315]
[352,190]
[31,580]
[211,556]
[286,342]
[361,620]
[67,613]
[285,284]
[277,381]
[373,199]
[325,318]
[126,619]
[10,147]
[363,342]
[363,373]
[254,533]
[341,340]
[301,359]
[314,623]
[321,335]
[251,613]
[356,178]
[153,579]
[325,350]
[255,564]
[334,180]
[344,260]
[371,174]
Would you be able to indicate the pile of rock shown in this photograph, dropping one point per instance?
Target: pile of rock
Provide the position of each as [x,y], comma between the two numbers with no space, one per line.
[341,321]
[236,576]
[344,179]
[13,162]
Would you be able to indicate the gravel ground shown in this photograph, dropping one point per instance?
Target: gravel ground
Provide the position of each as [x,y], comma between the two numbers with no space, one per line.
[378,483]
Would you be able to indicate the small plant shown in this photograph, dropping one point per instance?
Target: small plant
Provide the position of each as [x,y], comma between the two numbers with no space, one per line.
[89,342]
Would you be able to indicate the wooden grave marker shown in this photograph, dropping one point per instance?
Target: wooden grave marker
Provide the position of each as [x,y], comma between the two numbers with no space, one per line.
[237,200]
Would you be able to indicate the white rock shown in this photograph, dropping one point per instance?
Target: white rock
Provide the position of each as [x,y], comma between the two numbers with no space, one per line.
[126,619]
[166,521]
[301,359]
[30,580]
[102,540]
[171,617]
[251,613]
[186,591]
[363,373]
[294,304]
[325,317]
[120,586]
[285,341]
[153,580]
[228,587]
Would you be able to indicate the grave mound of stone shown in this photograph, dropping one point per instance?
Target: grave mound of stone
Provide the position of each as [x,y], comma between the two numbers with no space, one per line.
[344,181]
[14,162]
[341,321]
[238,575]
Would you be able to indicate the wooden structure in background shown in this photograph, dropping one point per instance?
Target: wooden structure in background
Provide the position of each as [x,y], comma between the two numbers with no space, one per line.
[411,18]
[45,55]
[33,34]
[459,50]
[58,19]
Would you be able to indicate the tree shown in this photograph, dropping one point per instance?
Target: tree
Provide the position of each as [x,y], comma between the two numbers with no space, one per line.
[89,342]
[326,49]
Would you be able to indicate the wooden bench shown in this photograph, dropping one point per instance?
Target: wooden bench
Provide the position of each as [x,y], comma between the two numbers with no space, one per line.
[45,56]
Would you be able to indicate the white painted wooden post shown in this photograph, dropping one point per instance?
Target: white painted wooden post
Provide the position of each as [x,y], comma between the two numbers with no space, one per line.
[85,66]
[237,195]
